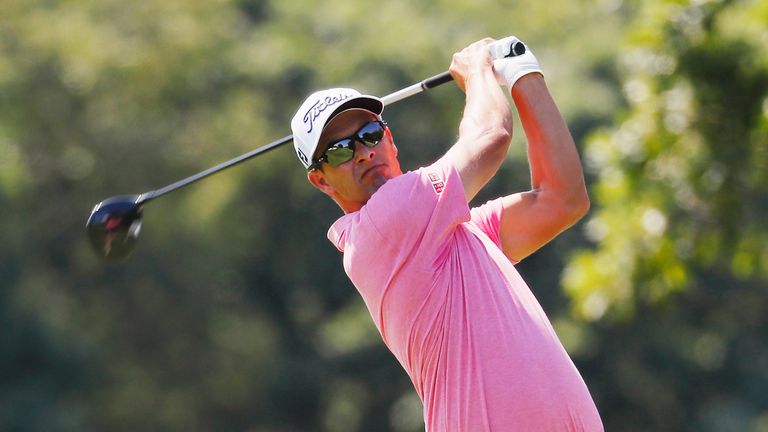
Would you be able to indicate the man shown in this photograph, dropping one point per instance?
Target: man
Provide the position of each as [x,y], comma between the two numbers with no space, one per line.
[438,277]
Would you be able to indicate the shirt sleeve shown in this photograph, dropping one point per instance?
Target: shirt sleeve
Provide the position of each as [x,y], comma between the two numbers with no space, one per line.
[487,218]
[420,209]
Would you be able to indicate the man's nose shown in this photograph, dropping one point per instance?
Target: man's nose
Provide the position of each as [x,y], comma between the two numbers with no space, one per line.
[363,152]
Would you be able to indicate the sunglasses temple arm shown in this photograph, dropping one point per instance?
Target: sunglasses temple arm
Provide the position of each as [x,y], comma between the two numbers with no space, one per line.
[417,88]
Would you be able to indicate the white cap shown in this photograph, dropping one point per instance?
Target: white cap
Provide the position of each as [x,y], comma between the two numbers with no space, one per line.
[319,108]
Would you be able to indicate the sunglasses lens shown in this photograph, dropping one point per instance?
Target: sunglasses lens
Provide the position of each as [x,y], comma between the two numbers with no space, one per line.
[371,133]
[340,152]
[344,150]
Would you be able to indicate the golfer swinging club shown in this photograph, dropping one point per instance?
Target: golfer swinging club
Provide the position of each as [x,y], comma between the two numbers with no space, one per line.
[438,278]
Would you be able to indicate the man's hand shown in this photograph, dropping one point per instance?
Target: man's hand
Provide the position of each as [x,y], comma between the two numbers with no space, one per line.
[472,60]
[512,59]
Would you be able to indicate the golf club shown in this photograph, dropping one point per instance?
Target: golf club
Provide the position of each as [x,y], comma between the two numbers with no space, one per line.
[114,224]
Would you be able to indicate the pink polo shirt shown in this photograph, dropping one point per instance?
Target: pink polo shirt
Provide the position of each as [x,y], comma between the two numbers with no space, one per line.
[453,310]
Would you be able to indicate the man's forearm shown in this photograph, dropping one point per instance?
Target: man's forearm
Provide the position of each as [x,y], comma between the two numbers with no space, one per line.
[484,133]
[554,161]
[486,107]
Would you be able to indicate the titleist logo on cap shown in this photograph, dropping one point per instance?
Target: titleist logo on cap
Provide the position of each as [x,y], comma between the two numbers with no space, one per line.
[315,110]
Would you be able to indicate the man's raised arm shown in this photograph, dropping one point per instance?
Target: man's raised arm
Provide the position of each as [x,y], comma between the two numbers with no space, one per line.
[486,127]
[558,196]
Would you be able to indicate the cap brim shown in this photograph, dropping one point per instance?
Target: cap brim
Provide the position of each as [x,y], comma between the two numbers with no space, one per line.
[368,103]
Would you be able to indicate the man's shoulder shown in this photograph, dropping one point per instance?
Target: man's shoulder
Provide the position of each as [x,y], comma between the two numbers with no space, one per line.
[404,206]
[434,175]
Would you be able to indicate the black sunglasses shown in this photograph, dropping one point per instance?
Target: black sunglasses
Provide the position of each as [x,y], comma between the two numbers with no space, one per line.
[343,150]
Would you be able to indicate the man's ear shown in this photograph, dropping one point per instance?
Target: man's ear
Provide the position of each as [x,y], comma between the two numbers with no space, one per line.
[318,180]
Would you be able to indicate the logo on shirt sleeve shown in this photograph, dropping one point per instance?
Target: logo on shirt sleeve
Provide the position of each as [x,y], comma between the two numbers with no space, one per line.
[437,182]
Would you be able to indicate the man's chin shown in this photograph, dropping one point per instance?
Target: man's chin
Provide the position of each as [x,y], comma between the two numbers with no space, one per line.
[379,181]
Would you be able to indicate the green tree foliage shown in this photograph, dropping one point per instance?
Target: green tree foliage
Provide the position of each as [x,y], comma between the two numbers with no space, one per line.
[679,271]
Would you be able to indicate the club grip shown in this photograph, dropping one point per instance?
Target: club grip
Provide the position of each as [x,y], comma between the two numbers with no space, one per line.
[436,80]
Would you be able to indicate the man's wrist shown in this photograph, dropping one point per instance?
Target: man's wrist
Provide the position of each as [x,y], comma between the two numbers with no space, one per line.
[529,88]
[510,76]
[528,81]
[481,74]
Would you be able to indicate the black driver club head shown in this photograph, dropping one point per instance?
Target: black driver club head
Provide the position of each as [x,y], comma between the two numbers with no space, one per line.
[114,226]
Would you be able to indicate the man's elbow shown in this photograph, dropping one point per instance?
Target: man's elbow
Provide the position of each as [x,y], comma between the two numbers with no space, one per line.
[576,206]
[568,208]
[497,140]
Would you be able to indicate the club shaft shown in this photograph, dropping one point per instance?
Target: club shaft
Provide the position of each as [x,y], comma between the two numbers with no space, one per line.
[399,95]
[425,85]
[147,196]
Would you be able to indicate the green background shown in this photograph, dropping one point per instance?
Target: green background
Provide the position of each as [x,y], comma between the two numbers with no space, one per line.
[234,312]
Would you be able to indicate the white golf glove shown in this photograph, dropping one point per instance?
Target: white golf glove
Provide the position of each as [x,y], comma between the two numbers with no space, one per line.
[512,59]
